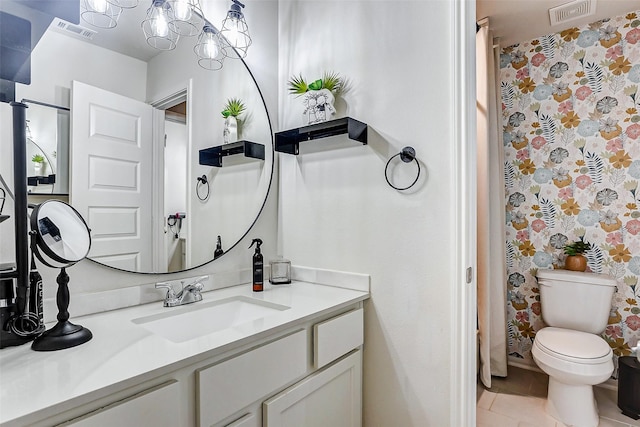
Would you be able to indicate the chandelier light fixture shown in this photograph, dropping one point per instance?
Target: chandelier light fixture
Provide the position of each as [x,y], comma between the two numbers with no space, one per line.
[167,21]
[209,49]
[104,13]
[188,18]
[125,4]
[156,26]
[235,29]
[100,13]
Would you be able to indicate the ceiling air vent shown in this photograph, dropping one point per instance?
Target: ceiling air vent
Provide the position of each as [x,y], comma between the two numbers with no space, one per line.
[67,27]
[572,10]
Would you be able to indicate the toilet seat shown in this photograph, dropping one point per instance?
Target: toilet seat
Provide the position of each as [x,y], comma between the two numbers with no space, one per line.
[573,346]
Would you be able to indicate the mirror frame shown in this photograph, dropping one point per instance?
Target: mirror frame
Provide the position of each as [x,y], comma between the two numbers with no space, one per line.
[41,245]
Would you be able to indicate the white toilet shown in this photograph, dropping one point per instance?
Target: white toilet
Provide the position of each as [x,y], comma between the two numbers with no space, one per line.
[575,306]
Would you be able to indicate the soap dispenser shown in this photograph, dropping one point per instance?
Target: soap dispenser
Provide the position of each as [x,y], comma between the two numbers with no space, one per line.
[258,267]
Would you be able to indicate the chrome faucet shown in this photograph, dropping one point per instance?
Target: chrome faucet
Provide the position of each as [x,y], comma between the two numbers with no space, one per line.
[189,293]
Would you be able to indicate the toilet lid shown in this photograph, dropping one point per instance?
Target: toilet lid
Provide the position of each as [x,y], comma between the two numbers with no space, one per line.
[573,345]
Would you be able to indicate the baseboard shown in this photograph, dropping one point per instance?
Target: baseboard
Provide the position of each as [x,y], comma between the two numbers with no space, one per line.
[527,364]
[610,384]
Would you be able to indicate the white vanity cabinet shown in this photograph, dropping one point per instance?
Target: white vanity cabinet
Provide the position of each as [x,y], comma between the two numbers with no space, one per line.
[251,385]
[304,372]
[332,396]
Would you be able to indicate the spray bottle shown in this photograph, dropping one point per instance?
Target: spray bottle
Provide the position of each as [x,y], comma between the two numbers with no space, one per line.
[218,252]
[258,267]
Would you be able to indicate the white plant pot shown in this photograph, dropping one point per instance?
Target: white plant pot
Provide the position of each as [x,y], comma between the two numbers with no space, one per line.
[230,133]
[318,106]
[38,168]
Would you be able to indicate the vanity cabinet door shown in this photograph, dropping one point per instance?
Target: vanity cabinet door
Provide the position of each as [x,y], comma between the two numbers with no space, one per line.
[157,407]
[227,387]
[330,397]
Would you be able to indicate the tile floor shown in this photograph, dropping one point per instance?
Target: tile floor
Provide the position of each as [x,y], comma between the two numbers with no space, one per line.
[518,401]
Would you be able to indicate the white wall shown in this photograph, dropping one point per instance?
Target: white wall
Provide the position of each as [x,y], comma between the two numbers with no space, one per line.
[88,276]
[336,210]
[58,59]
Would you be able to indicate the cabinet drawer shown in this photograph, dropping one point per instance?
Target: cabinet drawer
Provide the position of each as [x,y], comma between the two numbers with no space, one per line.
[229,386]
[156,407]
[336,337]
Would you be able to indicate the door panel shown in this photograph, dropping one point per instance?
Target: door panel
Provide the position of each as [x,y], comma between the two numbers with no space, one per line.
[111,175]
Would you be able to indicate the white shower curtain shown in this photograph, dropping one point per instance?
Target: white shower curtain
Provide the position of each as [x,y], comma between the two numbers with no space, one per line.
[492,286]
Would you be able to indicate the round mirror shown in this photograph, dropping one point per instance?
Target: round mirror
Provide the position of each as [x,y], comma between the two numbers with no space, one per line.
[61,235]
[145,126]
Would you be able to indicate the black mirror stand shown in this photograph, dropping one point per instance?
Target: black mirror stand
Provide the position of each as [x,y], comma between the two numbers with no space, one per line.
[64,334]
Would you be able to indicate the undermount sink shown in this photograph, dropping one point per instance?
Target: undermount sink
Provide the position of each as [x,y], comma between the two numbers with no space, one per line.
[195,320]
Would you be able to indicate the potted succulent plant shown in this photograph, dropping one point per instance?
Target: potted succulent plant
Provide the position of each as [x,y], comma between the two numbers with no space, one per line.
[575,260]
[318,96]
[232,110]
[38,163]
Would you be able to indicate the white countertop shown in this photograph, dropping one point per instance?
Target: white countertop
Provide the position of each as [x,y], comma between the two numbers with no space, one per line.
[123,352]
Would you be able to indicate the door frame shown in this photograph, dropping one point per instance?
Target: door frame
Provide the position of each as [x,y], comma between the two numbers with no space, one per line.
[464,299]
[167,99]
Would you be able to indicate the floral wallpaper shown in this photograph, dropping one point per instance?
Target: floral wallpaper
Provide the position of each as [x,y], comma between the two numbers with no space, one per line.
[571,127]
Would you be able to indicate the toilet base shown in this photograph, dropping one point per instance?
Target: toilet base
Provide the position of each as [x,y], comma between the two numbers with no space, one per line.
[573,405]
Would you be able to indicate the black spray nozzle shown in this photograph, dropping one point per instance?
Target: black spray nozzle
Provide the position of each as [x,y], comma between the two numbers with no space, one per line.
[258,242]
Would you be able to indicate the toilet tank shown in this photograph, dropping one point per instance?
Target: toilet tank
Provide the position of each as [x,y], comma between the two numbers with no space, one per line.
[576,300]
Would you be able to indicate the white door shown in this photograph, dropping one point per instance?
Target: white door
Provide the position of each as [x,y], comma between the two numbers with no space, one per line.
[330,397]
[111,175]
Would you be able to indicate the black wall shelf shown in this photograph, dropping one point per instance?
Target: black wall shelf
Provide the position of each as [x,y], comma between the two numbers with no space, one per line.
[213,156]
[288,141]
[46,180]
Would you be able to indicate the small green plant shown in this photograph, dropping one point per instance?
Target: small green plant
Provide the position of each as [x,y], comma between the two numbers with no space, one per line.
[577,248]
[37,158]
[330,80]
[234,108]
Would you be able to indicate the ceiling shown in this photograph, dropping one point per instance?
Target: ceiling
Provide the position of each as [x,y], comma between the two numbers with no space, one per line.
[512,21]
[515,21]
[127,37]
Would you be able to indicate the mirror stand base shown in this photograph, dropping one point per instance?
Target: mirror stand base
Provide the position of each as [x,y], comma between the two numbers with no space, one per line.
[63,335]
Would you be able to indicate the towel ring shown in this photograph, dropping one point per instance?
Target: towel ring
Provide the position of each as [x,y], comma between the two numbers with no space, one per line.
[407,155]
[202,180]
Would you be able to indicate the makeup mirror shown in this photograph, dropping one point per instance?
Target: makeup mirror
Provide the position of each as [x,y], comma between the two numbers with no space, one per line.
[59,239]
[61,234]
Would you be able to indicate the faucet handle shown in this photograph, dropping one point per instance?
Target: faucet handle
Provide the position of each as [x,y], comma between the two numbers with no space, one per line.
[196,284]
[196,287]
[166,285]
